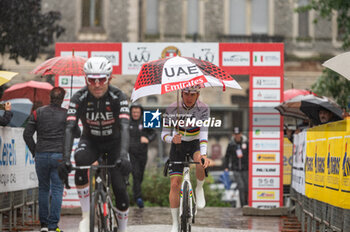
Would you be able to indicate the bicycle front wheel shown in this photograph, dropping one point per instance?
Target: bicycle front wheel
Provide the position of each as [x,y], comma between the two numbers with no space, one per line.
[185,217]
[111,218]
[97,217]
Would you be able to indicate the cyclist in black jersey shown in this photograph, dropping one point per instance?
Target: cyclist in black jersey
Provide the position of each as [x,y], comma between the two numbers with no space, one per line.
[104,113]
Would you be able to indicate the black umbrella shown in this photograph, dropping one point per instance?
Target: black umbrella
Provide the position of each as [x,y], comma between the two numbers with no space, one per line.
[311,108]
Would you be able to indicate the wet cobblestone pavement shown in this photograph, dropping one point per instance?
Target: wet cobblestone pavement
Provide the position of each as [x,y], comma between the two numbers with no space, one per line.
[209,219]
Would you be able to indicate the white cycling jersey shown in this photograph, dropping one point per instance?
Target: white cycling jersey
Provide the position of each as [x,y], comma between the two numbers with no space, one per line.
[190,122]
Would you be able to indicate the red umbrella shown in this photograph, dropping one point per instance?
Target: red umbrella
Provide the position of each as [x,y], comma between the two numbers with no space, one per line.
[37,92]
[291,93]
[62,65]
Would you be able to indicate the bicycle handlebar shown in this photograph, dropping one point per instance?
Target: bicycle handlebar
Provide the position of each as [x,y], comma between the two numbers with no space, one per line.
[116,164]
[96,167]
[168,163]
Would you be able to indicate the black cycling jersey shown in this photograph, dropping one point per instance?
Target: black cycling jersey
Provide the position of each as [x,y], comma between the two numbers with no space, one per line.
[104,119]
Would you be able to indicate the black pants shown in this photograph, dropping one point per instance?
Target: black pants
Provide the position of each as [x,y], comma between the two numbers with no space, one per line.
[241,177]
[138,162]
[87,153]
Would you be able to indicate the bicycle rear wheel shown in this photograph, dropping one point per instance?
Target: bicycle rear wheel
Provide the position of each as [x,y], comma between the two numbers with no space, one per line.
[97,218]
[185,217]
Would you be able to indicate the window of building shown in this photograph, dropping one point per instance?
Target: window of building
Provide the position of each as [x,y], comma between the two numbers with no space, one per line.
[248,17]
[303,21]
[152,17]
[237,17]
[192,17]
[91,13]
[259,20]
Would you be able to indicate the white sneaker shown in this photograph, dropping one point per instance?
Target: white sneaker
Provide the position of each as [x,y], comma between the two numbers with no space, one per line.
[200,197]
[85,223]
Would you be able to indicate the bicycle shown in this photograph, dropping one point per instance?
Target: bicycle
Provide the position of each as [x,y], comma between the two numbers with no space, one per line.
[102,212]
[188,209]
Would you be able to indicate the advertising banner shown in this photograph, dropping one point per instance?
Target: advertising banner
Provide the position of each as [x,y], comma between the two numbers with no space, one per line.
[136,54]
[298,158]
[17,167]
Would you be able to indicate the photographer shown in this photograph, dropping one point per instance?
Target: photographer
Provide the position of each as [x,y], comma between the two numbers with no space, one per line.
[6,118]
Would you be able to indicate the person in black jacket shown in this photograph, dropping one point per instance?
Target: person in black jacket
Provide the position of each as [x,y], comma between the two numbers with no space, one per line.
[139,140]
[49,122]
[237,158]
[6,118]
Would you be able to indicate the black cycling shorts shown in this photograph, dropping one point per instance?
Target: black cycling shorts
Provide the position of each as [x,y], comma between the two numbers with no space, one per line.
[178,152]
[88,152]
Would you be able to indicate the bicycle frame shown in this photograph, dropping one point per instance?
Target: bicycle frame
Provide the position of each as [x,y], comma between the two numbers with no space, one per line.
[100,196]
[187,198]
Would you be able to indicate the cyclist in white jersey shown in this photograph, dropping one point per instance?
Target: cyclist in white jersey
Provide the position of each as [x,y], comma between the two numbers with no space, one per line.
[182,128]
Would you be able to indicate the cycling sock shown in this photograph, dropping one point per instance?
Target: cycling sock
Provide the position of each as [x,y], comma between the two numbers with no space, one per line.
[175,216]
[200,183]
[122,217]
[84,198]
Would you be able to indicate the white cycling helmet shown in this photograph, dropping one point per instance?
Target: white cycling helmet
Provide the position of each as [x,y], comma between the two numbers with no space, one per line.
[192,89]
[98,67]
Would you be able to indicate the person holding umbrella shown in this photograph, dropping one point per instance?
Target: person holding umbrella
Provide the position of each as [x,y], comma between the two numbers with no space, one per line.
[186,139]
[104,112]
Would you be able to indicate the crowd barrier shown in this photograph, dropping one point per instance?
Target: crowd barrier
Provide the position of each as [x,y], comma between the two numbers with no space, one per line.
[18,182]
[321,177]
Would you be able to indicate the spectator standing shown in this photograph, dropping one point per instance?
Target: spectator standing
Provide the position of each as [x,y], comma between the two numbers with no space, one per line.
[49,123]
[6,118]
[237,158]
[140,137]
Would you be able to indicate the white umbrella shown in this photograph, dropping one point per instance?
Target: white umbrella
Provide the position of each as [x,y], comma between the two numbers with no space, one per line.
[340,64]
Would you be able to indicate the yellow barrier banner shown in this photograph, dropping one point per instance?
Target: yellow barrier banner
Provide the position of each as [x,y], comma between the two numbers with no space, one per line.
[309,162]
[335,139]
[327,164]
[287,161]
[344,195]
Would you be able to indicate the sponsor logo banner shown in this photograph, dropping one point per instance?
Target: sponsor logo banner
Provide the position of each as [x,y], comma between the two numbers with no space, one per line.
[266,145]
[265,107]
[266,132]
[112,56]
[266,157]
[17,166]
[136,54]
[266,205]
[266,120]
[266,182]
[266,95]
[78,81]
[266,82]
[235,58]
[266,58]
[266,195]
[266,170]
